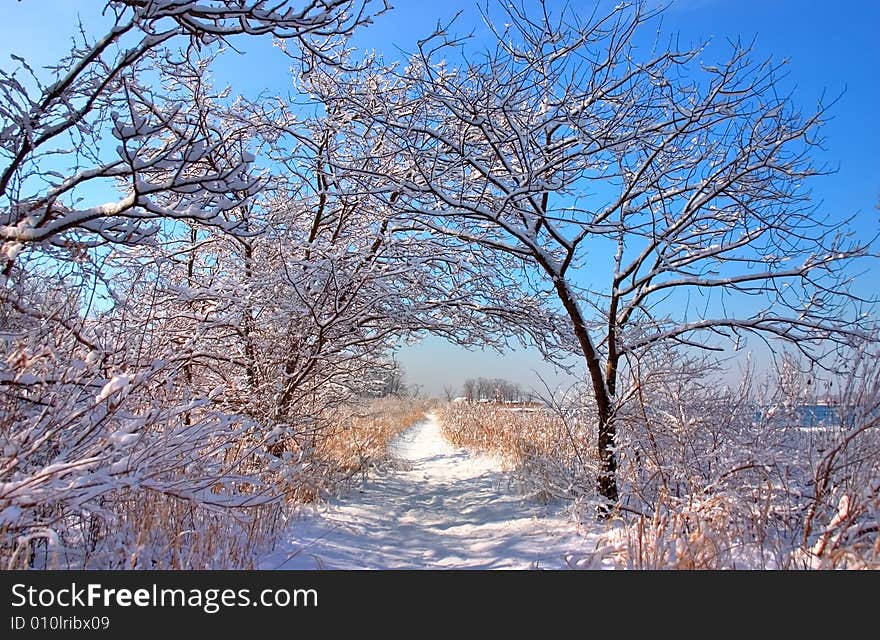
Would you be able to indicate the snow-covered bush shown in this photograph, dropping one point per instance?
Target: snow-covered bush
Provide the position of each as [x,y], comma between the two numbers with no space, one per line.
[102,423]
[782,474]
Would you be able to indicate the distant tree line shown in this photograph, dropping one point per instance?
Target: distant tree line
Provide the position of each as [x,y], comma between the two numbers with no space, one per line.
[497,389]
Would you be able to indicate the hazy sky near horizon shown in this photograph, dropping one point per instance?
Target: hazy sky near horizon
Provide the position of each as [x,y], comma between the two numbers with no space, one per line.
[833,48]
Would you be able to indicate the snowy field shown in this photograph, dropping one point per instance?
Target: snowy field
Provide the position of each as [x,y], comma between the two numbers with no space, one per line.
[439,508]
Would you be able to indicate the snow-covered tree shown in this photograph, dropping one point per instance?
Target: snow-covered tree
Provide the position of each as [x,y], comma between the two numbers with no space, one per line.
[658,199]
[129,193]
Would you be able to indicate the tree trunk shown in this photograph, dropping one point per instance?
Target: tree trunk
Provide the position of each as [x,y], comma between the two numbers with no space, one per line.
[250,355]
[607,477]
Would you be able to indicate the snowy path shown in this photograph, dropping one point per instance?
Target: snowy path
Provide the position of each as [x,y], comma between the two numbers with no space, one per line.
[445,508]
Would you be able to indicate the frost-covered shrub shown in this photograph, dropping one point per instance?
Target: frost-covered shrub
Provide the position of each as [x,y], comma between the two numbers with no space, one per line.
[88,434]
[749,469]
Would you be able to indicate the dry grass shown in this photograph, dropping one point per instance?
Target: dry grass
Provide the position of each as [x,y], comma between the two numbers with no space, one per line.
[147,530]
[345,445]
[168,533]
[692,536]
[708,535]
[545,455]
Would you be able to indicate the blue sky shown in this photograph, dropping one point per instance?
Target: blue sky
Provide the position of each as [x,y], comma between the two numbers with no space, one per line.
[832,48]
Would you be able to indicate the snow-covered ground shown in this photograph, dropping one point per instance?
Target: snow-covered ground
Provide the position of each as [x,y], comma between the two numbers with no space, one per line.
[440,507]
